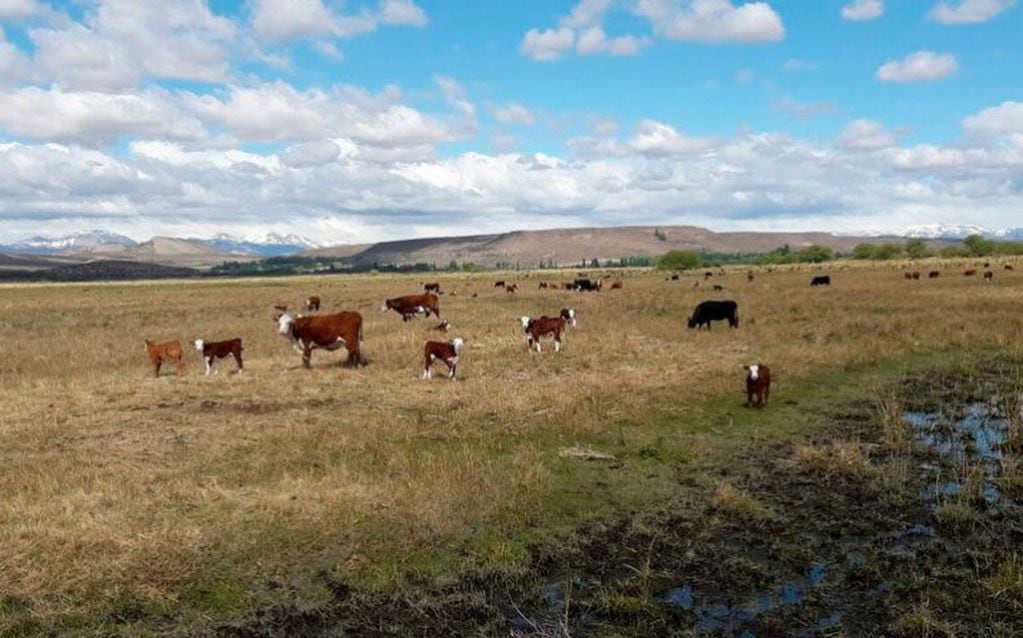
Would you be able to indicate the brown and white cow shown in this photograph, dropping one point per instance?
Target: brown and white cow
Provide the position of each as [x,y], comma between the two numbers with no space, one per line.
[312,303]
[160,352]
[411,305]
[758,385]
[329,332]
[447,352]
[546,327]
[213,350]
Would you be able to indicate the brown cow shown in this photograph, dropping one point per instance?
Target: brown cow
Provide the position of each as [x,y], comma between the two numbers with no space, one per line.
[544,285]
[329,332]
[411,305]
[160,352]
[511,287]
[446,352]
[499,284]
[1009,267]
[617,285]
[758,384]
[545,326]
[934,274]
[435,287]
[312,303]
[989,277]
[568,314]
[213,350]
[969,273]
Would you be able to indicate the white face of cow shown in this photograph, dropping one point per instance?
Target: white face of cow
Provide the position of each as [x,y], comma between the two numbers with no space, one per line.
[284,324]
[571,316]
[383,306]
[525,322]
[199,343]
[457,344]
[754,371]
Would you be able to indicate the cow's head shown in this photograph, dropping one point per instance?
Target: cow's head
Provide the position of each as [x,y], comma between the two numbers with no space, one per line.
[525,322]
[754,371]
[284,324]
[199,344]
[457,344]
[692,321]
[387,305]
[568,314]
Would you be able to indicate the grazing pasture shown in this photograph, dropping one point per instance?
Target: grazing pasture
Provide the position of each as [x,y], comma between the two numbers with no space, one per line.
[187,495]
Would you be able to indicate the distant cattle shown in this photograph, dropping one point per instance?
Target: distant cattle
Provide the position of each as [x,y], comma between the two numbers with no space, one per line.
[160,352]
[758,385]
[934,274]
[709,311]
[547,327]
[329,332]
[617,285]
[1009,267]
[708,274]
[544,285]
[912,275]
[447,353]
[970,273]
[718,287]
[443,326]
[821,280]
[213,350]
[674,277]
[411,305]
[312,303]
[511,288]
[749,276]
[434,287]
[989,276]
[587,285]
[499,284]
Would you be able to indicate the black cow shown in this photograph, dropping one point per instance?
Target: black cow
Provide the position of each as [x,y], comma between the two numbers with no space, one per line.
[715,311]
[821,280]
[588,284]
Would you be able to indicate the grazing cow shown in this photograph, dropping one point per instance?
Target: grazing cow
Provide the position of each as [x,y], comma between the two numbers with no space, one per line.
[709,311]
[411,305]
[718,287]
[160,352]
[443,326]
[758,384]
[749,276]
[912,275]
[435,287]
[329,332]
[588,285]
[821,280]
[934,274]
[511,287]
[446,352]
[312,303]
[674,277]
[281,307]
[213,350]
[543,327]
[543,285]
[916,274]
[969,273]
[499,284]
[708,274]
[1009,267]
[989,276]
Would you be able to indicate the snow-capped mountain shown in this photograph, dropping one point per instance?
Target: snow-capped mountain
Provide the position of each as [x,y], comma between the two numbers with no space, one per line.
[268,245]
[76,242]
[960,231]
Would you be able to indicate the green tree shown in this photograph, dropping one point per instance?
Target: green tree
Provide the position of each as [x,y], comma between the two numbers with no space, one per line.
[888,251]
[864,251]
[679,260]
[978,246]
[917,249]
[815,254]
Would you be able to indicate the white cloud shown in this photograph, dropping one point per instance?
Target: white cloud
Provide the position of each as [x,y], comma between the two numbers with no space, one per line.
[969,11]
[922,66]
[403,12]
[586,14]
[866,135]
[861,10]
[1004,119]
[277,21]
[310,154]
[593,40]
[657,138]
[514,114]
[712,20]
[547,45]
[22,9]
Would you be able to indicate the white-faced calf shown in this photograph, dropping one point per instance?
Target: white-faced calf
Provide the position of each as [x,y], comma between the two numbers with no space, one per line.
[446,352]
[213,350]
[758,385]
[547,327]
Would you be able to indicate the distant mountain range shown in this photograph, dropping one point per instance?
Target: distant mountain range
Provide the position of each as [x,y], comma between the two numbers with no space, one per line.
[107,243]
[954,232]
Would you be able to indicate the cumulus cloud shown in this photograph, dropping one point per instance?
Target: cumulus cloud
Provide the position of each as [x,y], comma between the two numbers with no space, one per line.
[712,20]
[969,11]
[922,66]
[861,10]
[582,29]
[14,10]
[866,135]
[514,114]
[1004,119]
[277,21]
[310,154]
[657,138]
[402,12]
[548,44]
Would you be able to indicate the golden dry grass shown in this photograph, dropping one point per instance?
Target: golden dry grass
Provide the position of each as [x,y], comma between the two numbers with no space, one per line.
[116,482]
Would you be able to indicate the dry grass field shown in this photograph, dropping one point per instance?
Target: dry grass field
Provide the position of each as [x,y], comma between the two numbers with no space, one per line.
[190,493]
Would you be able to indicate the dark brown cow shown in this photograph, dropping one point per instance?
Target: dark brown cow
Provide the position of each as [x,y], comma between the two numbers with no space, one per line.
[568,314]
[213,350]
[160,352]
[749,276]
[499,284]
[989,276]
[544,285]
[546,326]
[969,273]
[1009,267]
[934,274]
[447,353]
[912,275]
[758,384]
[511,287]
[411,305]
[329,332]
[434,287]
[312,303]
[617,285]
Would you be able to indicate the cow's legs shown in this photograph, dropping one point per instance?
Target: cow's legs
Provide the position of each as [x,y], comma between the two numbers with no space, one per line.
[209,364]
[156,367]
[180,361]
[238,358]
[307,354]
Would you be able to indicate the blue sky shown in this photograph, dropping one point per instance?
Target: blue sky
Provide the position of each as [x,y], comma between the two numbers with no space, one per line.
[360,121]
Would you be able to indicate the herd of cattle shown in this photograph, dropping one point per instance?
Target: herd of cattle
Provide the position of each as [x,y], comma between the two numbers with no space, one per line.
[332,332]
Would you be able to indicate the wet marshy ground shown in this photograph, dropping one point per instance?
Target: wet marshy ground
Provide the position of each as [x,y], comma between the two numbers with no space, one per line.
[904,517]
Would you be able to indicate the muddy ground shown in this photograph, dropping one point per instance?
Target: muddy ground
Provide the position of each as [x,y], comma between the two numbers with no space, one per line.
[901,518]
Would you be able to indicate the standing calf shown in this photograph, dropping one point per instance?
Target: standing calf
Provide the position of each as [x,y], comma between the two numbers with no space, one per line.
[213,350]
[159,352]
[445,352]
[547,326]
[758,384]
[312,303]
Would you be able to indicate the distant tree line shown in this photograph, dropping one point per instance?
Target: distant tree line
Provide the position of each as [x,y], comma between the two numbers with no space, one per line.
[972,246]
